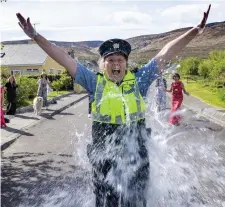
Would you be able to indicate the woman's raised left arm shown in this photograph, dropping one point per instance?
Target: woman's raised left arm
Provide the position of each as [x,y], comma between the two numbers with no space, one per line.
[172,48]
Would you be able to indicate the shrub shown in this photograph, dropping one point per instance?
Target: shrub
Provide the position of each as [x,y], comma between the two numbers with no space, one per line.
[221,94]
[5,73]
[51,77]
[218,83]
[204,68]
[218,69]
[56,85]
[27,90]
[64,83]
[189,66]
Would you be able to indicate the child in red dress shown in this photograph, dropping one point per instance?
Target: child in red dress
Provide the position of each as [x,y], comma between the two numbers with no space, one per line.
[177,89]
[2,102]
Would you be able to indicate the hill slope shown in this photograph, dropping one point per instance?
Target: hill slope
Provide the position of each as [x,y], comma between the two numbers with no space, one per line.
[213,38]
[147,46]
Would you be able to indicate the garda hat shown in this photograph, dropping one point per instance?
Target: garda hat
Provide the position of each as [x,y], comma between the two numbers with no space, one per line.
[114,46]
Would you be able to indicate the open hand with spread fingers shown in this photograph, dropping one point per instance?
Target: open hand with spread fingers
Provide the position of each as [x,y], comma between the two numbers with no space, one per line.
[26,26]
[204,19]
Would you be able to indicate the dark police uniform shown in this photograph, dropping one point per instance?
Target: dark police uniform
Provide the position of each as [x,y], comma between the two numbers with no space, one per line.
[118,152]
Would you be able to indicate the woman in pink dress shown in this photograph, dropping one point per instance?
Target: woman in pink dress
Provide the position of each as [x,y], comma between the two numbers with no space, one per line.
[2,102]
[177,89]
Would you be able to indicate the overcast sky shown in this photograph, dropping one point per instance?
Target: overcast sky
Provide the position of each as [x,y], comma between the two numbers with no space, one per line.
[100,20]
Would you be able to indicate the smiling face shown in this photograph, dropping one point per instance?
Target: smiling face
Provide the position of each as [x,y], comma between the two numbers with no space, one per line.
[115,67]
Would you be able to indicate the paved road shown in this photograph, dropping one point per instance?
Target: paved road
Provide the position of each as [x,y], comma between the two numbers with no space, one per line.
[51,167]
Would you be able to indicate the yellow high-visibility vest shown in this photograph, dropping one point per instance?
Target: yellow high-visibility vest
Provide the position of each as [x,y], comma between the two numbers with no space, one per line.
[117,104]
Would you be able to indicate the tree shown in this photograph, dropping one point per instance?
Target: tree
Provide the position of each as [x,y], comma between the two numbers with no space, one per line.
[214,66]
[217,55]
[204,68]
[189,66]
[218,69]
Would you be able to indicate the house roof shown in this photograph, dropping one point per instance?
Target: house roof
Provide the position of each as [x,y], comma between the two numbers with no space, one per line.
[22,55]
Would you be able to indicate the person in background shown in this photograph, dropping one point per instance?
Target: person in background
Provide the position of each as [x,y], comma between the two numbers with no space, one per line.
[90,99]
[118,152]
[3,124]
[177,89]
[90,96]
[43,88]
[161,86]
[11,95]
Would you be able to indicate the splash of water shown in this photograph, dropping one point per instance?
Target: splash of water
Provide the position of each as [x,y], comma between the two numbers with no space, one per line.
[186,165]
[186,168]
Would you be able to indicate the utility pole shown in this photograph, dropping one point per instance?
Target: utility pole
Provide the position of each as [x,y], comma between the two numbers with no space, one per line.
[72,55]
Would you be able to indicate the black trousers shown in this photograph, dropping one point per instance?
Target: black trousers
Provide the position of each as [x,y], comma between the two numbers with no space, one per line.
[107,193]
[11,108]
[89,104]
[89,107]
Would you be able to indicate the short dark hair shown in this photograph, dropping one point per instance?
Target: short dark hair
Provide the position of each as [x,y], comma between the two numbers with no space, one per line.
[177,75]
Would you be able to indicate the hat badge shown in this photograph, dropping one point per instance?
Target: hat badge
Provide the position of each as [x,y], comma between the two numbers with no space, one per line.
[116,45]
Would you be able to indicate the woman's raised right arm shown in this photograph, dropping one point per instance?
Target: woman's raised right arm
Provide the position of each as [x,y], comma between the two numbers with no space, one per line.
[52,50]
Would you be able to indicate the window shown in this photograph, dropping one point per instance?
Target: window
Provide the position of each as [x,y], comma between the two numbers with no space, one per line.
[29,70]
[15,72]
[32,71]
[51,71]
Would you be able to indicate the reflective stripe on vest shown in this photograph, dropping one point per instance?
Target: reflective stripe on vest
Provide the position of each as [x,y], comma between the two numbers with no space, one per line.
[118,104]
[99,93]
[107,118]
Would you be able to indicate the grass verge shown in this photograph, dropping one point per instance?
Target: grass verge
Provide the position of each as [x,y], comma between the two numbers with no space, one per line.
[55,93]
[210,95]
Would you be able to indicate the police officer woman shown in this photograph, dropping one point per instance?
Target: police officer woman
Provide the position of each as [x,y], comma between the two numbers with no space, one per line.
[118,152]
